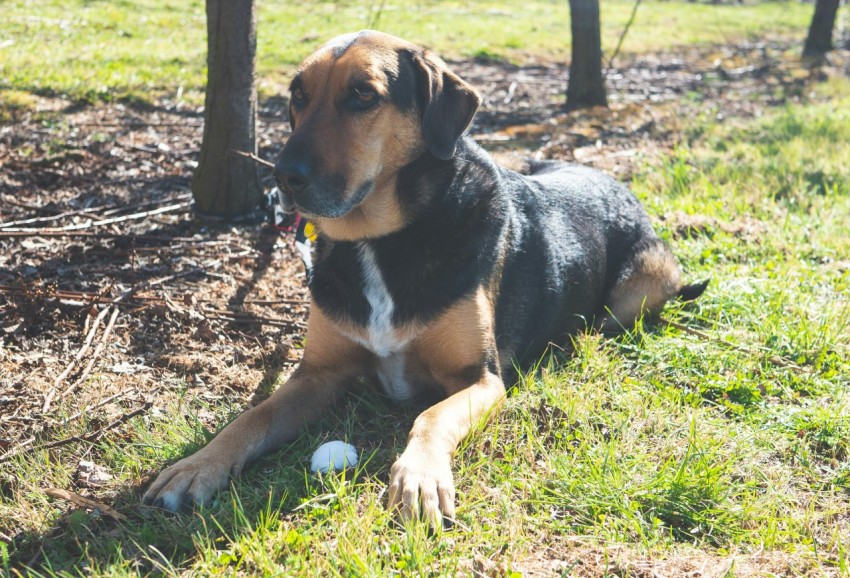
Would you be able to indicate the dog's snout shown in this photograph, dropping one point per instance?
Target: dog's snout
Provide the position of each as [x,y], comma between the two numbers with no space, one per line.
[292,177]
[294,182]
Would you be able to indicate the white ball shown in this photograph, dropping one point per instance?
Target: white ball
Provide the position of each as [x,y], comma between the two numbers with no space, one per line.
[334,455]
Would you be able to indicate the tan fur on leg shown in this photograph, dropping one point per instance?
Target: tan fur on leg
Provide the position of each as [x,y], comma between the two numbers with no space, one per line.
[455,348]
[329,361]
[654,280]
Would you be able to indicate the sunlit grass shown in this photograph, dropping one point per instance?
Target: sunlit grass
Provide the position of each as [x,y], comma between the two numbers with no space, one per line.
[96,50]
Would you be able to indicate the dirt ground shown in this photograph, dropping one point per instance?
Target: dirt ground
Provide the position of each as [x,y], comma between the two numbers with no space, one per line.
[114,299]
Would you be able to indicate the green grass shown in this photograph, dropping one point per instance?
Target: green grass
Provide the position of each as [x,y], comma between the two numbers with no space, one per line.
[673,444]
[95,50]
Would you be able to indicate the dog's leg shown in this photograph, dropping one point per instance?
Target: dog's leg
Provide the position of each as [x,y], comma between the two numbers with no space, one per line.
[330,360]
[459,351]
[648,279]
[421,481]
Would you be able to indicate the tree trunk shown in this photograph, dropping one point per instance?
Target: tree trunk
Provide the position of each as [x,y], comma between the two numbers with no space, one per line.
[586,86]
[819,40]
[225,184]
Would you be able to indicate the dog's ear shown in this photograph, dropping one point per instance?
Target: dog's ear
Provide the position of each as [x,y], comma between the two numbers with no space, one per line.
[448,104]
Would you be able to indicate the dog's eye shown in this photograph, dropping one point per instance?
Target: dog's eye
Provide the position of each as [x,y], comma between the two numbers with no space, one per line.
[297,97]
[362,98]
[365,95]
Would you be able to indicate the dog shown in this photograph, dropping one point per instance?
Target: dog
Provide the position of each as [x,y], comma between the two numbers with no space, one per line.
[437,272]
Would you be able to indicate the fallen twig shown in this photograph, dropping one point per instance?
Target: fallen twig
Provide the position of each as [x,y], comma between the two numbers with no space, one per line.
[83,502]
[192,271]
[242,313]
[49,217]
[276,301]
[146,285]
[98,350]
[257,320]
[98,433]
[54,233]
[124,295]
[113,210]
[91,224]
[48,399]
[23,445]
[12,201]
[87,296]
[253,157]
[140,124]
[99,298]
[80,298]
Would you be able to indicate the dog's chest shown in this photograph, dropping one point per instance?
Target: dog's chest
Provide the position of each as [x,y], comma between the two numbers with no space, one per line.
[388,342]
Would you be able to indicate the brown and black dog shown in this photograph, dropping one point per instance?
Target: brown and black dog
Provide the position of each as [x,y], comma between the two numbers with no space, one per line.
[437,272]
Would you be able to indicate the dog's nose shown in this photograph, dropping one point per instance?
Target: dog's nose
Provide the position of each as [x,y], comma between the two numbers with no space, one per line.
[291,177]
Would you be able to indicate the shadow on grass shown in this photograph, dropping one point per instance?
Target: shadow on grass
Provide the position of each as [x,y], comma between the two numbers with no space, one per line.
[152,540]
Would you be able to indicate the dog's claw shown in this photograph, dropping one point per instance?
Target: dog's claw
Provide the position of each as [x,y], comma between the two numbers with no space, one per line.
[422,487]
[191,481]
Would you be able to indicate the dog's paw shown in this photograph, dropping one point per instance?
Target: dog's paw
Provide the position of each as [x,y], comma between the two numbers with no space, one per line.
[193,480]
[422,486]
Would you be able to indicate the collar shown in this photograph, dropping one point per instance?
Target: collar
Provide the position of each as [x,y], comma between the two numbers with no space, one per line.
[305,231]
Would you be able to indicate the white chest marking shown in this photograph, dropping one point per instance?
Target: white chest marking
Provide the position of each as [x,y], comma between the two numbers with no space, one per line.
[382,338]
[380,330]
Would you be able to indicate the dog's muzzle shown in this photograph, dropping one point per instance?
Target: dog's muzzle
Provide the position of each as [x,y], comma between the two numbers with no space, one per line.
[317,195]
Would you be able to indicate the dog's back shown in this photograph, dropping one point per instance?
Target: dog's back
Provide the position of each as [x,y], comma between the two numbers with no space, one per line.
[580,253]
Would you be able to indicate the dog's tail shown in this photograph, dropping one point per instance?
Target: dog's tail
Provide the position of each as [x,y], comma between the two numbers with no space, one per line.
[693,290]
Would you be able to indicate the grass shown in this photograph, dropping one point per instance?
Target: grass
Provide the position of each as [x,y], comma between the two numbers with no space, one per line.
[681,448]
[92,50]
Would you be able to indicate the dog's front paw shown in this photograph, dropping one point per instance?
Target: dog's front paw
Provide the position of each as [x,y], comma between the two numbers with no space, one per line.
[192,480]
[422,485]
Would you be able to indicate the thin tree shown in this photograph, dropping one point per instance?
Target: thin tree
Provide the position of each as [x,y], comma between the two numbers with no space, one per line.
[226,184]
[819,39]
[586,86]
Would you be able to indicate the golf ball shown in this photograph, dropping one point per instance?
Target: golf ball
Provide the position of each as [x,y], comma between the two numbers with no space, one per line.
[335,455]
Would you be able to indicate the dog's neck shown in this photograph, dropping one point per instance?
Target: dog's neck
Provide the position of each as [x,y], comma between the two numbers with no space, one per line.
[379,215]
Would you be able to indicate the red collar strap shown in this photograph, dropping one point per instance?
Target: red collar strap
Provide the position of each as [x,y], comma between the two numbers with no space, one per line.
[305,231]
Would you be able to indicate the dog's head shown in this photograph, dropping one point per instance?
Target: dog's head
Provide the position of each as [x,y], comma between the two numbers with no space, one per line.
[363,106]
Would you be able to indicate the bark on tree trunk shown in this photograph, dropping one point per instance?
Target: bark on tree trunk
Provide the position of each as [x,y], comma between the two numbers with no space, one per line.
[586,86]
[225,184]
[819,40]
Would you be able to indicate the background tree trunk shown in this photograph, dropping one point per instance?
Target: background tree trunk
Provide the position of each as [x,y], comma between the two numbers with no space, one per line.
[819,40]
[586,86]
[224,184]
